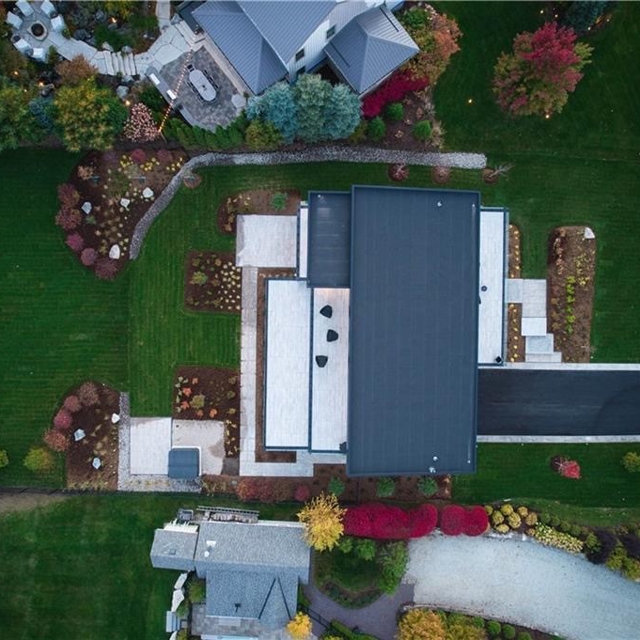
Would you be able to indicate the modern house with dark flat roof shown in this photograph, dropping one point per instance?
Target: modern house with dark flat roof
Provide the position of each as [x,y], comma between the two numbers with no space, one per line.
[372,348]
[270,40]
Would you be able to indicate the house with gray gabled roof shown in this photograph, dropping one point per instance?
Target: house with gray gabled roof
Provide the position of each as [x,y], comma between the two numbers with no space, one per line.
[252,571]
[269,40]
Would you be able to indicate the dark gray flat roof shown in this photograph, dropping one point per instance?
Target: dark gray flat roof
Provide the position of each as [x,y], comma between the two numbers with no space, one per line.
[558,403]
[329,239]
[413,331]
[184,463]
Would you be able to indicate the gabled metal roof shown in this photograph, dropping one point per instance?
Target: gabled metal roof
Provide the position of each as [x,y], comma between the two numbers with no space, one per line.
[413,336]
[329,239]
[241,42]
[369,48]
[287,24]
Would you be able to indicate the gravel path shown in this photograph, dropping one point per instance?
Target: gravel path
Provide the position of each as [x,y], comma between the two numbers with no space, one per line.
[317,154]
[377,619]
[523,582]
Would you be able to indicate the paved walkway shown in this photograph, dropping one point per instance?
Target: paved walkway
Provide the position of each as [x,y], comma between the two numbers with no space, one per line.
[523,582]
[378,619]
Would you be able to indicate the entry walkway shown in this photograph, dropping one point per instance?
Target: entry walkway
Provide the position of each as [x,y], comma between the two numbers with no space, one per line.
[522,582]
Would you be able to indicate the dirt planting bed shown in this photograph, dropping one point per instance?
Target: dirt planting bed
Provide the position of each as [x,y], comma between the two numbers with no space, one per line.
[570,278]
[212,282]
[283,202]
[515,341]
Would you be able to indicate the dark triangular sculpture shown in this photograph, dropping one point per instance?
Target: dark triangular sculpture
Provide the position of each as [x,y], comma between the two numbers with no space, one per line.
[332,335]
[321,361]
[326,311]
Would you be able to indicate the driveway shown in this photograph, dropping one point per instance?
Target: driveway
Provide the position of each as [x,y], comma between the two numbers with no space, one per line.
[523,582]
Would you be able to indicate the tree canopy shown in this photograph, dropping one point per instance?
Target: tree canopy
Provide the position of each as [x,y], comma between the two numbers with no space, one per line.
[322,517]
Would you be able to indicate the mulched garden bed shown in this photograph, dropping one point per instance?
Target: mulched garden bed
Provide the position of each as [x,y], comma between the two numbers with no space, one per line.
[97,404]
[256,201]
[207,393]
[107,195]
[261,454]
[570,277]
[515,341]
[212,282]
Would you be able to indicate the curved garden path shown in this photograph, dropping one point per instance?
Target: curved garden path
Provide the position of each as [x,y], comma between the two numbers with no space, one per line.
[317,154]
[523,582]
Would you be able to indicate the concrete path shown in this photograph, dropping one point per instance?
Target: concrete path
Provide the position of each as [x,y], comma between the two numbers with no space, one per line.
[523,582]
[378,619]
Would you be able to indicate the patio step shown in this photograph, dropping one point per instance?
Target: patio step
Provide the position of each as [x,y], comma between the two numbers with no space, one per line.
[539,344]
[108,61]
[554,357]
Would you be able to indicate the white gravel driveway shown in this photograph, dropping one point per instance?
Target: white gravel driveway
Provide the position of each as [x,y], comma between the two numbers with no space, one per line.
[526,583]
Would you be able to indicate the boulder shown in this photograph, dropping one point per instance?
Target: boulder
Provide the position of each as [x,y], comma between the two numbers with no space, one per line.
[80,34]
[86,207]
[147,193]
[122,91]
[115,418]
[126,49]
[125,202]
[100,16]
[114,252]
[107,47]
[589,234]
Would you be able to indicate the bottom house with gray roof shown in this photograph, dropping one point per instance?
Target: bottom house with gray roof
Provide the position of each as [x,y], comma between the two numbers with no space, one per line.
[252,571]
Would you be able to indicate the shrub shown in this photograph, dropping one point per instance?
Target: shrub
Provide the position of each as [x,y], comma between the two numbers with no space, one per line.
[384,522]
[399,172]
[614,561]
[524,635]
[607,542]
[39,460]
[365,548]
[502,528]
[140,125]
[506,509]
[489,509]
[4,458]
[248,489]
[322,517]
[514,520]
[508,632]
[62,420]
[336,486]
[68,219]
[552,538]
[631,462]
[392,90]
[476,521]
[591,542]
[532,519]
[88,256]
[56,441]
[631,569]
[385,487]
[544,518]
[544,68]
[422,130]
[346,544]
[88,394]
[376,130]
[75,71]
[280,490]
[631,543]
[494,628]
[279,201]
[427,486]
[75,242]
[299,627]
[575,530]
[581,16]
[393,559]
[421,624]
[522,511]
[302,493]
[394,112]
[564,526]
[106,268]
[497,518]
[555,521]
[138,156]
[164,156]
[452,520]
[422,520]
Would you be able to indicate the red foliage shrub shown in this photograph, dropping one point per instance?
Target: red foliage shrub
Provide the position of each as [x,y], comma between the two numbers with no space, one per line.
[62,420]
[88,256]
[72,404]
[422,521]
[476,521]
[56,441]
[393,90]
[565,467]
[398,172]
[88,394]
[75,242]
[302,493]
[452,520]
[138,156]
[165,156]
[68,219]
[68,196]
[248,489]
[106,268]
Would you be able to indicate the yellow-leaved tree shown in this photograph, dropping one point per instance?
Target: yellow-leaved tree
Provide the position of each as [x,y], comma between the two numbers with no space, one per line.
[421,624]
[299,627]
[322,517]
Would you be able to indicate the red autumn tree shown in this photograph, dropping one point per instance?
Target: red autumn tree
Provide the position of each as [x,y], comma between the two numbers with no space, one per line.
[544,68]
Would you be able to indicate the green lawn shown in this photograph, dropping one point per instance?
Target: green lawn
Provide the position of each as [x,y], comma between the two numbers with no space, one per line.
[81,569]
[59,324]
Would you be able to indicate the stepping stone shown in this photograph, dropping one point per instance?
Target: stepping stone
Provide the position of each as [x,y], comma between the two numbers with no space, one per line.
[321,361]
[514,290]
[78,435]
[534,327]
[332,335]
[554,358]
[326,311]
[539,344]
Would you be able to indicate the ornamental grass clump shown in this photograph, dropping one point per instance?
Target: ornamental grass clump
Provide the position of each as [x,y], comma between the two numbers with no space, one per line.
[552,538]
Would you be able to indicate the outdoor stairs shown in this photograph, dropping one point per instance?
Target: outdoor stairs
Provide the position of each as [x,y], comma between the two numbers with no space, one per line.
[188,34]
[120,63]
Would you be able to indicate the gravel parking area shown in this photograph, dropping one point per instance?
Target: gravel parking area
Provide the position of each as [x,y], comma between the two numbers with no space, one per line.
[523,582]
